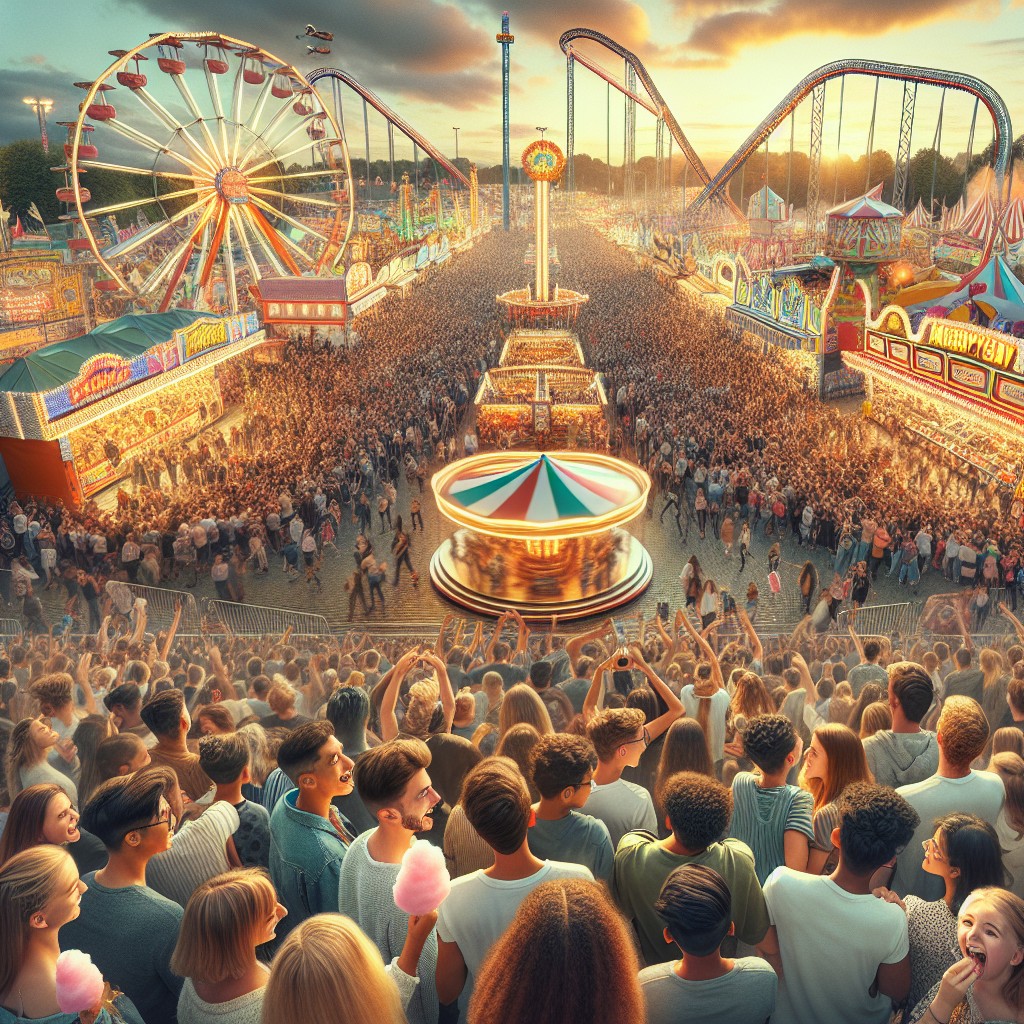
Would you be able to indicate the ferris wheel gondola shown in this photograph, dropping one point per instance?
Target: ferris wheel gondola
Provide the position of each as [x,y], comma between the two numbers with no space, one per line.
[248,173]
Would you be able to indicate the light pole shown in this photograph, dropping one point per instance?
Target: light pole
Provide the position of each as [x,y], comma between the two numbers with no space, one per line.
[42,107]
[456,130]
[541,130]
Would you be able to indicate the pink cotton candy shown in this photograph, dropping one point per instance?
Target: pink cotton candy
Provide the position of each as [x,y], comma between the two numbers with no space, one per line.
[423,880]
[79,982]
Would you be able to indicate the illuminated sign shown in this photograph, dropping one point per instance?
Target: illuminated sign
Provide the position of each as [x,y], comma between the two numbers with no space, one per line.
[202,336]
[967,340]
[22,305]
[876,344]
[1012,393]
[928,362]
[969,376]
[897,350]
[99,376]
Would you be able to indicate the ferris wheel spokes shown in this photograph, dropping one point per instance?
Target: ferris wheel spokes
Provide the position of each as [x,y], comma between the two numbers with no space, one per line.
[125,169]
[297,224]
[294,197]
[131,204]
[174,125]
[280,157]
[134,135]
[237,221]
[218,108]
[189,100]
[148,234]
[229,260]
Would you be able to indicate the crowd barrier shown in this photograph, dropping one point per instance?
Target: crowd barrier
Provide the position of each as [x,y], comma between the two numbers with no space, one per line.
[161,604]
[882,619]
[255,620]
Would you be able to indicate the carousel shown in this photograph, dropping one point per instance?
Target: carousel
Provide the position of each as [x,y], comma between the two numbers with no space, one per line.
[542,534]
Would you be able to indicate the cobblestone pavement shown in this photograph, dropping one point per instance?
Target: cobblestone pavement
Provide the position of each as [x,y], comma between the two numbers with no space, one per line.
[421,606]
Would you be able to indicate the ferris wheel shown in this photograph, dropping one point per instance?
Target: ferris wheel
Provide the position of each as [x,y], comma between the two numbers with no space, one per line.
[232,166]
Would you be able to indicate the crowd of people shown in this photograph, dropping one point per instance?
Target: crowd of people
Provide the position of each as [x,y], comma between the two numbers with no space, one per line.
[823,828]
[820,827]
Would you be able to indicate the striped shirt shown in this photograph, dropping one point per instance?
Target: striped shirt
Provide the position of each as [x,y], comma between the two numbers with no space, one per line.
[197,853]
[762,817]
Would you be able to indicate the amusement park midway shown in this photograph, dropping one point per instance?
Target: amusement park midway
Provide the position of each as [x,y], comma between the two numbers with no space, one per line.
[577,579]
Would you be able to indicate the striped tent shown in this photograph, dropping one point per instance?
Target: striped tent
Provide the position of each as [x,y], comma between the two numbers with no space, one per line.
[1012,221]
[918,218]
[543,490]
[979,219]
[868,206]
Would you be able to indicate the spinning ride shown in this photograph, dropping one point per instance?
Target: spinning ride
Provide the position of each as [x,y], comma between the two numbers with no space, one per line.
[541,534]
[237,168]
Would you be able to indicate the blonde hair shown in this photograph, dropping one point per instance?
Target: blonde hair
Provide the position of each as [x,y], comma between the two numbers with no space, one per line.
[1011,907]
[281,696]
[324,964]
[28,881]
[219,932]
[521,704]
[423,697]
[876,717]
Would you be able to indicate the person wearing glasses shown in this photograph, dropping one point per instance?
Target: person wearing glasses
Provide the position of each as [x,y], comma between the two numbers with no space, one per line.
[129,929]
[308,836]
[620,737]
[965,853]
[563,773]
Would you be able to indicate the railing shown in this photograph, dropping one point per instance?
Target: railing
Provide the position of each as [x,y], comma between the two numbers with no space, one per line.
[255,620]
[161,603]
[11,627]
[881,619]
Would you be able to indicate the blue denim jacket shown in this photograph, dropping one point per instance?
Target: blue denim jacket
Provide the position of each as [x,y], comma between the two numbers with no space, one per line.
[305,862]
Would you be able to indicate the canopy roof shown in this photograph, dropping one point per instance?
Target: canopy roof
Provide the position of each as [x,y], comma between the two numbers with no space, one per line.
[128,336]
[544,490]
[918,218]
[1003,292]
[979,218]
[1012,221]
[867,206]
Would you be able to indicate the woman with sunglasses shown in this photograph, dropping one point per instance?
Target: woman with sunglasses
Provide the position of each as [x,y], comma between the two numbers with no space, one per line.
[965,853]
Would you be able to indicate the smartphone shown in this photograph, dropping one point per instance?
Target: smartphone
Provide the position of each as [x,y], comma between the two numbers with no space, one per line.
[622,654]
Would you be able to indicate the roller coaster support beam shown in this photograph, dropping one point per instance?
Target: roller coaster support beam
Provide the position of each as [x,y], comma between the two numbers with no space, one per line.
[814,170]
[873,69]
[899,188]
[570,121]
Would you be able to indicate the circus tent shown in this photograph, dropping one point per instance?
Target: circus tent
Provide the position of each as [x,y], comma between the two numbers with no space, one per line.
[867,206]
[1003,294]
[918,218]
[1012,221]
[543,490]
[952,217]
[979,219]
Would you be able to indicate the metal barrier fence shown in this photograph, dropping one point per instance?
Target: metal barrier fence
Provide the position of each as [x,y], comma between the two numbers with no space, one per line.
[161,604]
[880,619]
[255,620]
[11,627]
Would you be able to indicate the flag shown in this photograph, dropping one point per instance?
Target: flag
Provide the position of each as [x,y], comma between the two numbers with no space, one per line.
[17,231]
[125,233]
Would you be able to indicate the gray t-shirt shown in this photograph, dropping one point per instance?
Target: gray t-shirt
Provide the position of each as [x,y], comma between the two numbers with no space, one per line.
[867,672]
[130,934]
[624,807]
[746,995]
[576,838]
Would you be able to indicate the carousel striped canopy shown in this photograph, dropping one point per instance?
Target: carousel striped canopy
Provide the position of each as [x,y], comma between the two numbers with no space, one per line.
[544,490]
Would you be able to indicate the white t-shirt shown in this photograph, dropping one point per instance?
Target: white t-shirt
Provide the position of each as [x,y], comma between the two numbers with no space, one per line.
[623,806]
[479,909]
[831,954]
[979,793]
[716,719]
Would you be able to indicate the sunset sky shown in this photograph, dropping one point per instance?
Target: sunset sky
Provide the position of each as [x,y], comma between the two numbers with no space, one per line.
[721,64]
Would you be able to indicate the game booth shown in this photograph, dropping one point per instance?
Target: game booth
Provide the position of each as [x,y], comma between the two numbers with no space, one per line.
[541,533]
[955,388]
[73,415]
[561,405]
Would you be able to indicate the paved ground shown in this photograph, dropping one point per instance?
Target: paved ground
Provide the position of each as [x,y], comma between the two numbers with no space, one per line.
[420,606]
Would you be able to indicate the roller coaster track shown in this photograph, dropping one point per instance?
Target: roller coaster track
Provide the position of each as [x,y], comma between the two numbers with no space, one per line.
[656,104]
[876,69]
[396,119]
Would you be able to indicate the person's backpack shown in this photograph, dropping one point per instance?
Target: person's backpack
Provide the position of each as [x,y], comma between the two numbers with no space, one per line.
[1020,576]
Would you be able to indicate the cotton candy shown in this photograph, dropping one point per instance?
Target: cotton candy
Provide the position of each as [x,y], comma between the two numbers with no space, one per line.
[423,881]
[79,982]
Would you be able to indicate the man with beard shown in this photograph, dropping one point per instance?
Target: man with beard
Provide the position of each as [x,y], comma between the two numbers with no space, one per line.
[393,783]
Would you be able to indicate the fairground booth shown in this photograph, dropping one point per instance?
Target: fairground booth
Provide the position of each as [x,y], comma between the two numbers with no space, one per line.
[74,415]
